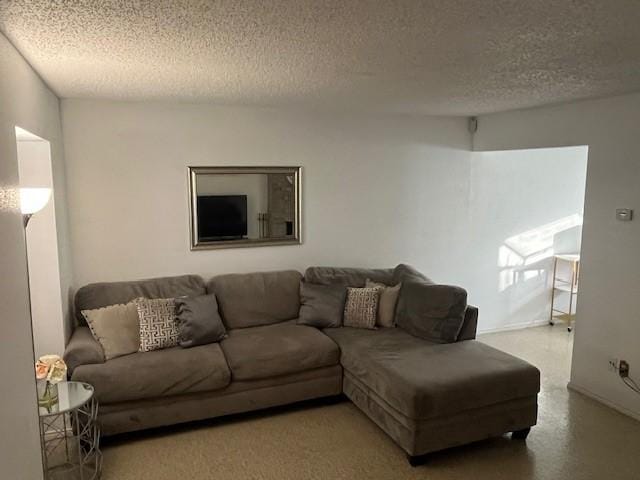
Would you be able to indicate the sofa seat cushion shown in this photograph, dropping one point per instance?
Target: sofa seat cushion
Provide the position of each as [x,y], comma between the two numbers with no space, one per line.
[158,373]
[272,350]
[424,380]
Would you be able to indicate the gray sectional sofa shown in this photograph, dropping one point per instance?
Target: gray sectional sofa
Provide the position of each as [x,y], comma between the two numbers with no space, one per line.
[426,396]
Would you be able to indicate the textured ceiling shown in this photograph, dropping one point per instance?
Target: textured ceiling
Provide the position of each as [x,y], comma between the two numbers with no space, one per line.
[439,57]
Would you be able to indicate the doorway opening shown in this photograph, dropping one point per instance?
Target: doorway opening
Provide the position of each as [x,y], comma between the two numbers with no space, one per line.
[528,217]
[41,236]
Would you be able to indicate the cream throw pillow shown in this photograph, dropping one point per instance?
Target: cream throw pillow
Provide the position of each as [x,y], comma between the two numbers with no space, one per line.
[361,307]
[386,304]
[116,328]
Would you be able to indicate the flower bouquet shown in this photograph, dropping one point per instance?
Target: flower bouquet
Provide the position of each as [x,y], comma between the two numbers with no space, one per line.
[50,370]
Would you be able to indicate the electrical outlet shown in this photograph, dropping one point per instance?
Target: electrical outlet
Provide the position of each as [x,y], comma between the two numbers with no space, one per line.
[623,368]
[613,364]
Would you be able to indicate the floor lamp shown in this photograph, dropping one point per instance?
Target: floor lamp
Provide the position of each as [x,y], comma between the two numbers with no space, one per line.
[32,200]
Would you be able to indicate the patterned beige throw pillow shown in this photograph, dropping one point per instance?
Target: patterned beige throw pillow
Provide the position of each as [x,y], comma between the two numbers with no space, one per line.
[386,304]
[116,328]
[158,328]
[361,308]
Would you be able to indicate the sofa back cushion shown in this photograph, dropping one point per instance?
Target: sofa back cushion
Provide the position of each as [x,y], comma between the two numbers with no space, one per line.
[432,312]
[98,295]
[349,277]
[254,299]
[427,310]
[407,273]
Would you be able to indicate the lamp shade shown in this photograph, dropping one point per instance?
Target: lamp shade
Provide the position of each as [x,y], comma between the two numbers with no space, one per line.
[33,200]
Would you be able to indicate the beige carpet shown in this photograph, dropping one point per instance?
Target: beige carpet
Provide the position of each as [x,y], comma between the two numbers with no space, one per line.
[576,439]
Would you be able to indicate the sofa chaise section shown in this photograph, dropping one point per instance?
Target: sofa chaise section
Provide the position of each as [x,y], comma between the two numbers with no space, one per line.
[428,397]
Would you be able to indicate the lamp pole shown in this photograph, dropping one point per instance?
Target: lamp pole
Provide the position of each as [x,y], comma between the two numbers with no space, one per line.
[25,221]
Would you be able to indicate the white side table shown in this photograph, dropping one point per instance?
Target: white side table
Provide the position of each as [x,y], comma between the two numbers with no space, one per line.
[69,434]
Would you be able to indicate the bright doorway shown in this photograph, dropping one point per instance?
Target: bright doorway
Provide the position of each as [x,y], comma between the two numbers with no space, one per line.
[527,210]
[41,235]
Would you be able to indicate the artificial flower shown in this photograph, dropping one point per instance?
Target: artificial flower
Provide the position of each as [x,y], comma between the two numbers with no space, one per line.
[52,368]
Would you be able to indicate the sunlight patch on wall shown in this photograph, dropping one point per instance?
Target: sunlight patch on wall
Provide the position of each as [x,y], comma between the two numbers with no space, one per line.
[522,256]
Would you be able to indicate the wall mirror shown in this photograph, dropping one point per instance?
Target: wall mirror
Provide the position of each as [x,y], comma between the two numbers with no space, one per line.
[244,206]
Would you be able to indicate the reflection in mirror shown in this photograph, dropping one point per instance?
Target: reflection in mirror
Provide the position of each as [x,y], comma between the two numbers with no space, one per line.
[244,206]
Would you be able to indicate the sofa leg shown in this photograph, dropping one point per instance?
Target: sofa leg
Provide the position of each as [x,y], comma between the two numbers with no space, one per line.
[416,460]
[521,434]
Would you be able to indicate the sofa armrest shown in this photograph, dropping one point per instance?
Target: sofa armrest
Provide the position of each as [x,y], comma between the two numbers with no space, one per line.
[469,325]
[82,349]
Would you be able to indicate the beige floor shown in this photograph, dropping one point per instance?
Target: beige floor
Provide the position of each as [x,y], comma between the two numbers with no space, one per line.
[576,438]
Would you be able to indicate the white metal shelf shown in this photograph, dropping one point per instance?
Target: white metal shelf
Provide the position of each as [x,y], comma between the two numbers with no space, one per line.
[569,286]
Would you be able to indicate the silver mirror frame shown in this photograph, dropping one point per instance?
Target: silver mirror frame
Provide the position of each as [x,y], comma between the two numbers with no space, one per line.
[193,172]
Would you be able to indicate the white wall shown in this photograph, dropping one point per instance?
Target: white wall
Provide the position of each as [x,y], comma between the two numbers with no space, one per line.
[47,318]
[376,190]
[25,101]
[607,323]
[520,201]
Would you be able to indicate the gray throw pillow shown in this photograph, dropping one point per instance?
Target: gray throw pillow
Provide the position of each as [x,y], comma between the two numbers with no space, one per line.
[432,312]
[321,306]
[198,321]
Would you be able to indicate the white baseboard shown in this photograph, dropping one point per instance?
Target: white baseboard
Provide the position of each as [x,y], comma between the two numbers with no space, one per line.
[604,401]
[514,326]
